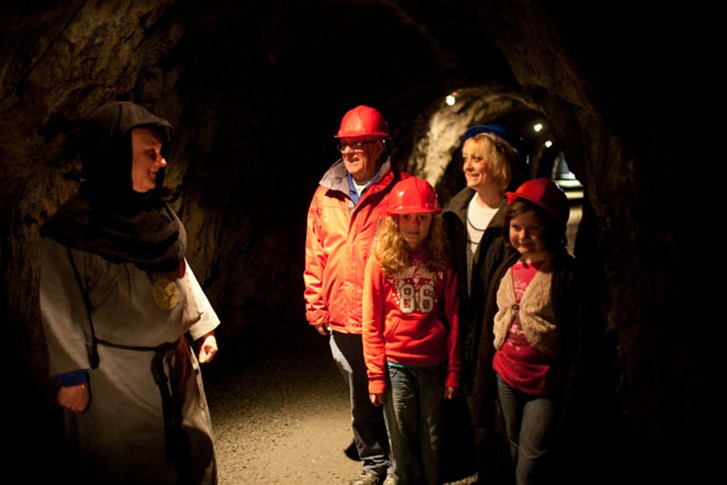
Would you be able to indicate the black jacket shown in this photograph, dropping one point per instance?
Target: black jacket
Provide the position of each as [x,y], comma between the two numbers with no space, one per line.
[489,255]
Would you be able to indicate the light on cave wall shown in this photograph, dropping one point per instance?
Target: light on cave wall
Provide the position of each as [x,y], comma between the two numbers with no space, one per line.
[548,143]
[450,100]
[537,127]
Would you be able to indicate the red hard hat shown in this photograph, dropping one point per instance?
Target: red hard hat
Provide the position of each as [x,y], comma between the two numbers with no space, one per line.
[363,120]
[545,194]
[413,196]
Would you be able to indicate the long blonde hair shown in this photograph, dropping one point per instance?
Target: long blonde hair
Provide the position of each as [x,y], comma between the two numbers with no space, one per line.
[393,254]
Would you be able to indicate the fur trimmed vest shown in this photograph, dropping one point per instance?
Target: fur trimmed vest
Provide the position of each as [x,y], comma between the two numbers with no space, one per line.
[535,311]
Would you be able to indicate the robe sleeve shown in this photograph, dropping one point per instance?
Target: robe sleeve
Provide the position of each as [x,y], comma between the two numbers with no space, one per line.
[198,311]
[62,309]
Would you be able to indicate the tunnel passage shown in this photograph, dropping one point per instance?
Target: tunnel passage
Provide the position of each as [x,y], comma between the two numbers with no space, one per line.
[438,141]
[436,157]
[256,89]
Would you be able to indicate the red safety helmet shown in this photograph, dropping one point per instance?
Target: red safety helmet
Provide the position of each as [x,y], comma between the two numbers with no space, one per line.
[361,121]
[413,196]
[545,194]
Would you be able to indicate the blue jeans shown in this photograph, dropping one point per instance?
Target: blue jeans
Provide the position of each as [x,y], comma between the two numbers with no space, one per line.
[528,423]
[367,420]
[413,406]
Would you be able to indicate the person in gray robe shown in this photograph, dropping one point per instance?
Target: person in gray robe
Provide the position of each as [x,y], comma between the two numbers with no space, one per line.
[125,320]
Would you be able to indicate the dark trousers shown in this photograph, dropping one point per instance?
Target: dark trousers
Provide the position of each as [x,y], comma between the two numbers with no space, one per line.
[367,420]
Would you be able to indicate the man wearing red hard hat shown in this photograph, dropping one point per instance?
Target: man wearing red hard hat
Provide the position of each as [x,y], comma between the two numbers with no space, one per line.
[346,209]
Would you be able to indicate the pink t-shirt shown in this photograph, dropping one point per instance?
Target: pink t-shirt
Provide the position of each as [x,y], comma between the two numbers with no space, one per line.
[521,366]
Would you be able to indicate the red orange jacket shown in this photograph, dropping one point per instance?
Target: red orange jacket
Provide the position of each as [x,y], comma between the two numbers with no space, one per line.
[338,242]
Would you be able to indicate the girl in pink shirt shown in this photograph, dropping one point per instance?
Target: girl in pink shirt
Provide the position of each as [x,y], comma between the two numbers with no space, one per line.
[535,329]
[410,326]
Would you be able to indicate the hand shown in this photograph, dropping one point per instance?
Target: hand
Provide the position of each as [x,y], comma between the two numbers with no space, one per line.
[208,348]
[449,392]
[322,328]
[74,398]
[377,399]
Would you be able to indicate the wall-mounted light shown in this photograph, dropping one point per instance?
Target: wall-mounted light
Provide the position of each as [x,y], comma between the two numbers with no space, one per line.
[450,100]
[537,127]
[548,144]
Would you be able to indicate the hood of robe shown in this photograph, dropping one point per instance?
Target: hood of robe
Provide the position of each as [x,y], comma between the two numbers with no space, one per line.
[107,217]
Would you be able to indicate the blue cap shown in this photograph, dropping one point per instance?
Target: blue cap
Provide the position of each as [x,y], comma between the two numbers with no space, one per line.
[494,128]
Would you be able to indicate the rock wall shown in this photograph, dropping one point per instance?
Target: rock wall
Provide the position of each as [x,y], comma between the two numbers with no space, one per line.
[256,90]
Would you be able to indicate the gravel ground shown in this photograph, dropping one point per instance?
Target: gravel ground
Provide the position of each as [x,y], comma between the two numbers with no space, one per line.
[283,419]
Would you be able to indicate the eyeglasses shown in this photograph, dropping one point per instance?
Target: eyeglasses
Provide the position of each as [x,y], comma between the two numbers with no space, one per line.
[354,145]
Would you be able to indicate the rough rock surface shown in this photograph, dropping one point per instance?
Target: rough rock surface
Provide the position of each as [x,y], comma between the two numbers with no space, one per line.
[256,90]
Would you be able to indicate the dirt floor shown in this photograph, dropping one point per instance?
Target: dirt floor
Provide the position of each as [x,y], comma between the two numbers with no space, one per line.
[283,419]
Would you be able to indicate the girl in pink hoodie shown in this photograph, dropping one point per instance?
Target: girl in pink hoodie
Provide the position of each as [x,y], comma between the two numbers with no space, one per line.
[410,326]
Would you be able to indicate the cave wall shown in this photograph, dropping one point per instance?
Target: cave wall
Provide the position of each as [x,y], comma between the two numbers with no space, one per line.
[256,90]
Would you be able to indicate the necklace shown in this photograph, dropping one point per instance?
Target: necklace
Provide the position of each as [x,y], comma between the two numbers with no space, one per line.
[472,225]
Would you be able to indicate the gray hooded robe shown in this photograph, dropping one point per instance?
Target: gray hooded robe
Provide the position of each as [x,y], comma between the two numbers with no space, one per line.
[119,302]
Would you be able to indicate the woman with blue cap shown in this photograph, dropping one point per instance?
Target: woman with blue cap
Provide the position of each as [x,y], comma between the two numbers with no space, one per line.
[474,219]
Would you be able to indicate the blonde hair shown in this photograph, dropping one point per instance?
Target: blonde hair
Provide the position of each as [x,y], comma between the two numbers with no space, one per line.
[393,254]
[501,156]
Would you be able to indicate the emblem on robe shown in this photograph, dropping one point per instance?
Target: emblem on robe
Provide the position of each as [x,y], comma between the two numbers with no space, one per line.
[165,294]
